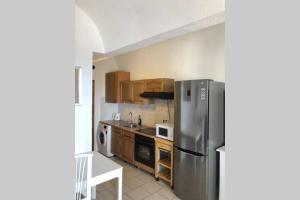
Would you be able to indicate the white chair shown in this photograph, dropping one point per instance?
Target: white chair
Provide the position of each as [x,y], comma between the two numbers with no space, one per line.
[83,176]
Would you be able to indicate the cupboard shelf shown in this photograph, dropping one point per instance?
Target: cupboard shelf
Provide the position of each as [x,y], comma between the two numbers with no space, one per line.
[165,174]
[165,162]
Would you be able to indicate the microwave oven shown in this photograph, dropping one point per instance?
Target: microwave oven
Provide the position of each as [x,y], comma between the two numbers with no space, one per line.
[165,131]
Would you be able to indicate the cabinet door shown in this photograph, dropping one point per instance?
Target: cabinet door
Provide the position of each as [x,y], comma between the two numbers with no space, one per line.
[126,92]
[128,146]
[110,87]
[138,88]
[113,85]
[154,85]
[116,141]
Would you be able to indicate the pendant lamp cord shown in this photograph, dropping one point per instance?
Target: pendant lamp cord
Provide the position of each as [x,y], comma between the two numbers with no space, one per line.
[169,111]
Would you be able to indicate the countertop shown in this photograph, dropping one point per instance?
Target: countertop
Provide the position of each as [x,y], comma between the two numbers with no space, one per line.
[121,124]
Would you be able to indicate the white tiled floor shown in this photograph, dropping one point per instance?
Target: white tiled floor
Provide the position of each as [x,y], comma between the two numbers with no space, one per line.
[137,185]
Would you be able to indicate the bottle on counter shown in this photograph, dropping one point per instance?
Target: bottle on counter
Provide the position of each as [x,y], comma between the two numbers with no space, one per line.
[140,121]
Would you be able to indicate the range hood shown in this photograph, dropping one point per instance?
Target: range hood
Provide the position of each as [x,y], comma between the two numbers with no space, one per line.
[158,95]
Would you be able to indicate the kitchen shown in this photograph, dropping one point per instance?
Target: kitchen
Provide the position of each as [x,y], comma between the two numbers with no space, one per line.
[129,91]
[56,130]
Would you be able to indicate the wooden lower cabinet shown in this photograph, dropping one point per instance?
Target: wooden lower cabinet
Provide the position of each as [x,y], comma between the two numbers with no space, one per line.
[123,144]
[128,149]
[164,160]
[116,140]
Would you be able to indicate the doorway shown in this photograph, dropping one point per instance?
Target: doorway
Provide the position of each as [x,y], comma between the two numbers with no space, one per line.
[93,114]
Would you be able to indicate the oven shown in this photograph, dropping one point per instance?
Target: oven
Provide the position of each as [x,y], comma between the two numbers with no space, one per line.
[144,150]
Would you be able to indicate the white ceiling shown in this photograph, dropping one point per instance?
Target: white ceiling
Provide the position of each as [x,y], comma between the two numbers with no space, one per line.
[126,25]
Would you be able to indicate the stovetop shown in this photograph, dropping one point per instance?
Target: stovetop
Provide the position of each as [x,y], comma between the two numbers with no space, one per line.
[148,131]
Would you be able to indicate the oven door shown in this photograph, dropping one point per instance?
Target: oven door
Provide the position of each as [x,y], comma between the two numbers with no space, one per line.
[144,151]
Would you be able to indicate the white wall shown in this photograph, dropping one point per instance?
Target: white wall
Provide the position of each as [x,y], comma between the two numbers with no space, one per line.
[87,40]
[103,111]
[193,56]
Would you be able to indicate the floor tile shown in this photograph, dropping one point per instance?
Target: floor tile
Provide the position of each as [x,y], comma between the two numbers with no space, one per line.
[155,197]
[137,185]
[138,193]
[176,198]
[132,173]
[163,183]
[146,178]
[166,193]
[152,187]
[133,182]
[104,195]
[112,189]
[126,197]
[101,187]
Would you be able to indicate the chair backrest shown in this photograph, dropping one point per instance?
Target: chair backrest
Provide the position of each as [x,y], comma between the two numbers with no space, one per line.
[83,176]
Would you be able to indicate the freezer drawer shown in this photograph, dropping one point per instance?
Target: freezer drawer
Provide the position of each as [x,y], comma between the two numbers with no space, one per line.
[190,180]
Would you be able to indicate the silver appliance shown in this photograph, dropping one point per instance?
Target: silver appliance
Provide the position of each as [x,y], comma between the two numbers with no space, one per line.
[144,150]
[198,132]
[165,131]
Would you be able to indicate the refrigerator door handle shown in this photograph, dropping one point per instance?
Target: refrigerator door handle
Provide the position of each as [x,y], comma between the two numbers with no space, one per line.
[190,152]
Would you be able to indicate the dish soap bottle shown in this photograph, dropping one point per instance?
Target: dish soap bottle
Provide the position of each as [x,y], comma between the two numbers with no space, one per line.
[140,121]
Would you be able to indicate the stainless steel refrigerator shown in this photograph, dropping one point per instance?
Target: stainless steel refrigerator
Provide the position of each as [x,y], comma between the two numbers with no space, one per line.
[198,132]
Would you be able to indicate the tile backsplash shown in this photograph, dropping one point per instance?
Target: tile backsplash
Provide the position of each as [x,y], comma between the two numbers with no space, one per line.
[151,114]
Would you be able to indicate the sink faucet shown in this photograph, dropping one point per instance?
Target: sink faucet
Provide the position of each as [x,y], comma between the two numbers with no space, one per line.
[130,114]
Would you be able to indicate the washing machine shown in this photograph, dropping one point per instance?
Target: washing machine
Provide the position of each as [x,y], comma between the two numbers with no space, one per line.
[104,140]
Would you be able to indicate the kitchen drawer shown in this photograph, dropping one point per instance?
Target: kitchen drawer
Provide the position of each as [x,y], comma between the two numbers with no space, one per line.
[116,130]
[128,134]
[164,146]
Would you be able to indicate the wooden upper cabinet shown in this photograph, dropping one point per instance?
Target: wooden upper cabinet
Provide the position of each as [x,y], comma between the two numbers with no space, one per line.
[131,90]
[138,87]
[113,85]
[159,85]
[126,92]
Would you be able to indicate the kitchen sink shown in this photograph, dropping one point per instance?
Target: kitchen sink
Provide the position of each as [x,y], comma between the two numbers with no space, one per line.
[131,125]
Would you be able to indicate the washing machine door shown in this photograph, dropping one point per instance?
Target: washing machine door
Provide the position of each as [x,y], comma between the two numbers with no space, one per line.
[102,138]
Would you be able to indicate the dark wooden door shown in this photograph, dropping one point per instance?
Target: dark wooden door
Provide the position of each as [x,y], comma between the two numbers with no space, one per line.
[154,85]
[126,92]
[116,142]
[128,146]
[138,88]
[110,87]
